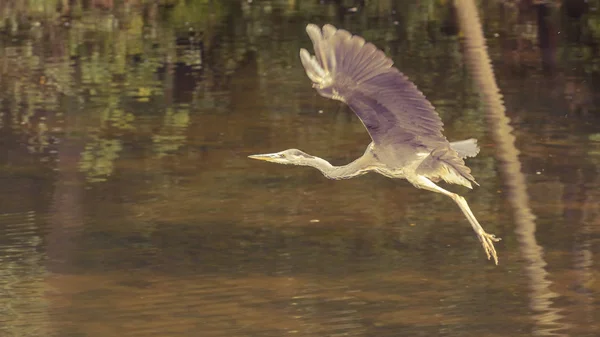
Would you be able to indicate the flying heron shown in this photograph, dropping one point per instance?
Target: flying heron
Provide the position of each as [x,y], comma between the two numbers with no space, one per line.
[406,131]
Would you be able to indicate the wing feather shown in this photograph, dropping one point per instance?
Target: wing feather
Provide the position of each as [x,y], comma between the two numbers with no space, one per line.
[361,75]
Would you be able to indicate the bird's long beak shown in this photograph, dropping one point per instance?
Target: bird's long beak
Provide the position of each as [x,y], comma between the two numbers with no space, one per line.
[272,157]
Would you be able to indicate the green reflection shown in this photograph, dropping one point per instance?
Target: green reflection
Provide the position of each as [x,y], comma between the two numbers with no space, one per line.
[97,159]
[172,135]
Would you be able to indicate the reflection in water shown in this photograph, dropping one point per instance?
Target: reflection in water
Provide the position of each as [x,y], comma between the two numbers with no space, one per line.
[98,158]
[23,310]
[172,135]
[547,37]
[477,59]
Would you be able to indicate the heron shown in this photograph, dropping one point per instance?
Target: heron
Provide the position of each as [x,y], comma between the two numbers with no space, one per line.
[405,129]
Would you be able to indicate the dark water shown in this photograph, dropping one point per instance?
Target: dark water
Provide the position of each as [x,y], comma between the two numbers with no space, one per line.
[129,207]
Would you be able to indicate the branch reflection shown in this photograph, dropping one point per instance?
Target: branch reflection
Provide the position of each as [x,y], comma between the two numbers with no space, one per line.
[478,62]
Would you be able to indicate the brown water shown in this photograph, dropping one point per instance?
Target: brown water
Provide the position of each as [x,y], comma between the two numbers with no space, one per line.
[129,207]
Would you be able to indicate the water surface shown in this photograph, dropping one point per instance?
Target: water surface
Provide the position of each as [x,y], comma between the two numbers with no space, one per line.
[129,207]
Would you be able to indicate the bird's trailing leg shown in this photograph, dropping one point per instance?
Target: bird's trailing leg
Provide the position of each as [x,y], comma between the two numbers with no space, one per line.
[487,240]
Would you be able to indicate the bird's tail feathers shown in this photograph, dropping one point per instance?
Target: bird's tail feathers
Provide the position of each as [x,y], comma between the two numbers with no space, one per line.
[466,148]
[442,164]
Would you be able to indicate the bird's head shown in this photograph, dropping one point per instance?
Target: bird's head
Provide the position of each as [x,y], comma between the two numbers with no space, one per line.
[287,157]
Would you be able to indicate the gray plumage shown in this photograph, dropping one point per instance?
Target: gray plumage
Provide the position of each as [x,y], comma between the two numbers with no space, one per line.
[406,131]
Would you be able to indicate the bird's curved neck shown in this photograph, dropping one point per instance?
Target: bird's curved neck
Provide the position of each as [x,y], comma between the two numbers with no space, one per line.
[355,168]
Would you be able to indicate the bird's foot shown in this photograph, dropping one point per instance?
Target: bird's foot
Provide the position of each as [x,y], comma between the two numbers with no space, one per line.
[487,241]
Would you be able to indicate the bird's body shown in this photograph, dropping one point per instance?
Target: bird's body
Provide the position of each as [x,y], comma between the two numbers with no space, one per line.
[406,131]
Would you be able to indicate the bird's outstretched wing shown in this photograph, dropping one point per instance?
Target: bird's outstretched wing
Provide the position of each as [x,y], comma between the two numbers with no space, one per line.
[393,110]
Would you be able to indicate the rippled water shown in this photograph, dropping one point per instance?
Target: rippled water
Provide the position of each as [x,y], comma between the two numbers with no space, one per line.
[128,206]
